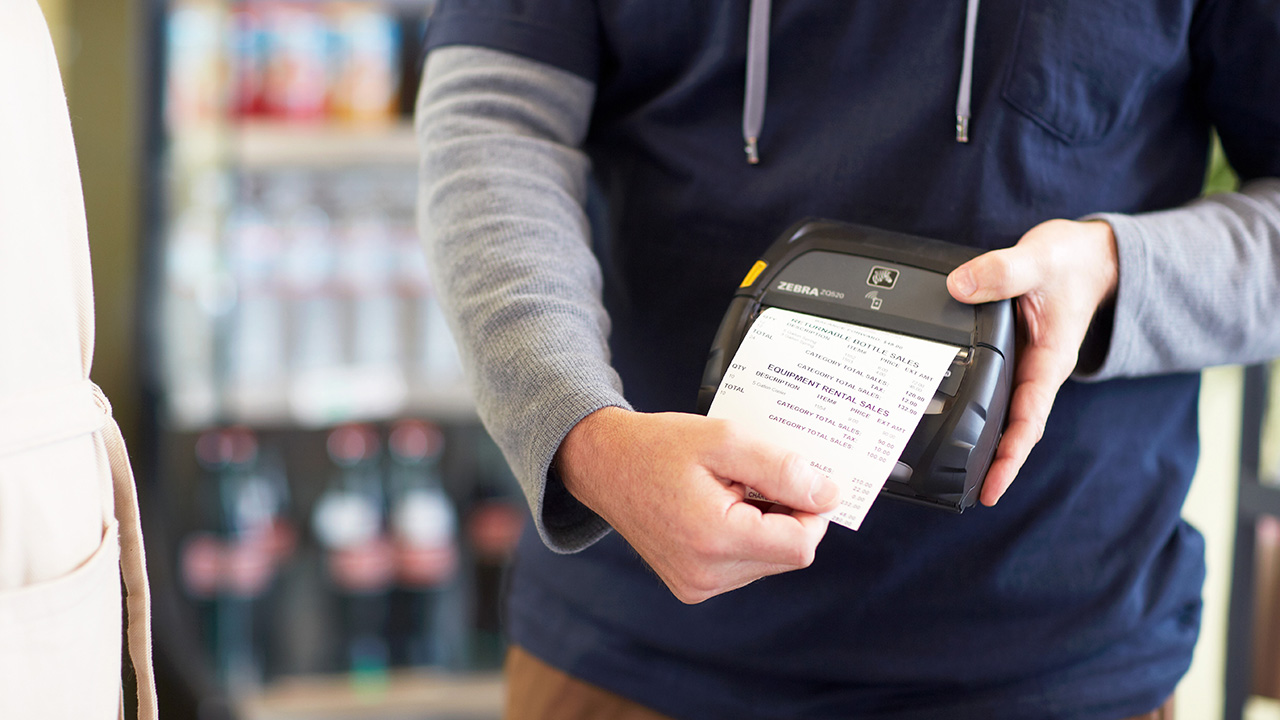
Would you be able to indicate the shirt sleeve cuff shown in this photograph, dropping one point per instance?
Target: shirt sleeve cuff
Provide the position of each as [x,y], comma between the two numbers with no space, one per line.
[1112,347]
[563,522]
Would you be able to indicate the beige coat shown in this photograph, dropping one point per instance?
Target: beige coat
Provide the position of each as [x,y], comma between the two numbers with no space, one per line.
[68,513]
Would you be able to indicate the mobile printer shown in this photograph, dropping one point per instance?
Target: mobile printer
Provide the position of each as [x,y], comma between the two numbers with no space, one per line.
[893,282]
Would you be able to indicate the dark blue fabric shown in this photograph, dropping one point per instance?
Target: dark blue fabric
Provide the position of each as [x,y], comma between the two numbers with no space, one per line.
[1077,596]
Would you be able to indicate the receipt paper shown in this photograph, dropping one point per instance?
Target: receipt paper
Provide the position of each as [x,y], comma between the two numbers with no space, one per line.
[845,397]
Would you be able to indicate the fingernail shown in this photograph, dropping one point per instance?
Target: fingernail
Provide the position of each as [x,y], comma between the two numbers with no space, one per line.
[823,491]
[962,280]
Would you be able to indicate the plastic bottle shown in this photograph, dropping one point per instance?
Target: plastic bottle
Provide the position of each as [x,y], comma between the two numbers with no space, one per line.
[229,568]
[424,524]
[365,275]
[349,521]
[315,308]
[255,371]
[495,519]
[366,73]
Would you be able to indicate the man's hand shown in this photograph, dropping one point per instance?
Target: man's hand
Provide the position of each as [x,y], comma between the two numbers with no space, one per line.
[1060,272]
[674,485]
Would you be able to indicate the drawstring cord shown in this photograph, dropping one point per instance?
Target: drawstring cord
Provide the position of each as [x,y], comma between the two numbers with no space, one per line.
[963,96]
[758,76]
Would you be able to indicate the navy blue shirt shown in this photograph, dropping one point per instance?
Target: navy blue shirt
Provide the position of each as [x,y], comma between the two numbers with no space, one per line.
[1078,596]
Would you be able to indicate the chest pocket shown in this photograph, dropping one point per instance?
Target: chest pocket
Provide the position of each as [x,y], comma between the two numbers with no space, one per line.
[1083,68]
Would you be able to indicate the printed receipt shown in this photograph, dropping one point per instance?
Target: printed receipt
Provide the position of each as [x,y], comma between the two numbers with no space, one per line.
[846,397]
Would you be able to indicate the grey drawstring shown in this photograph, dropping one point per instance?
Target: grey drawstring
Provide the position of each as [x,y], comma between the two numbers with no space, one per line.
[966,74]
[757,76]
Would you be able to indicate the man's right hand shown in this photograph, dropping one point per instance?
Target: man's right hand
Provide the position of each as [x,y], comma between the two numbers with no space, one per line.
[675,485]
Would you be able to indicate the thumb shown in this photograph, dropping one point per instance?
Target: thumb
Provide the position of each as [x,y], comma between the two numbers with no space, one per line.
[996,275]
[782,476]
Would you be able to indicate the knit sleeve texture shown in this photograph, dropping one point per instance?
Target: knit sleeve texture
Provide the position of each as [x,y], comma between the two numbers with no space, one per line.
[502,189]
[1199,285]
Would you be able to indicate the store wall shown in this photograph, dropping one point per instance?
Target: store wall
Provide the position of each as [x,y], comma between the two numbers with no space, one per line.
[55,14]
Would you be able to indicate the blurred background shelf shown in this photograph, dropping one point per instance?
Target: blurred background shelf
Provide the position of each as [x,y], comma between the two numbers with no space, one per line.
[404,696]
[278,407]
[270,144]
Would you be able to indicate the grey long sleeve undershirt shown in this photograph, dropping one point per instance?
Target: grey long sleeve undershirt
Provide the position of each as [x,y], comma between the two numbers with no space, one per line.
[1199,285]
[500,200]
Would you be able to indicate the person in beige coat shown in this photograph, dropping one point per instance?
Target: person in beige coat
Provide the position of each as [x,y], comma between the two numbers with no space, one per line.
[68,510]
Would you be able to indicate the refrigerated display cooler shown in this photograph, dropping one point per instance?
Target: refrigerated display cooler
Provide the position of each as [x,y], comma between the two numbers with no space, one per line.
[327,510]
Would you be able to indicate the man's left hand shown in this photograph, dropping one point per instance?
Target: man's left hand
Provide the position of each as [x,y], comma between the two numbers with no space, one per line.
[1060,272]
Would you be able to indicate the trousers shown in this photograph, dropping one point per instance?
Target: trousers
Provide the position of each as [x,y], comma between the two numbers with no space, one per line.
[537,691]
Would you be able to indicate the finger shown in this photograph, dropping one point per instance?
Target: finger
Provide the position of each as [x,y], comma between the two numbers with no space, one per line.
[1015,446]
[780,475]
[996,275]
[1023,432]
[782,541]
[752,545]
[1040,376]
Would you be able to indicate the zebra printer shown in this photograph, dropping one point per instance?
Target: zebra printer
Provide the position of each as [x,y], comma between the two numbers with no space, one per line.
[893,282]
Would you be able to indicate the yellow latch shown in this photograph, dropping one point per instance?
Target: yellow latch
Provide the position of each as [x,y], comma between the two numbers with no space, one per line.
[754,273]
